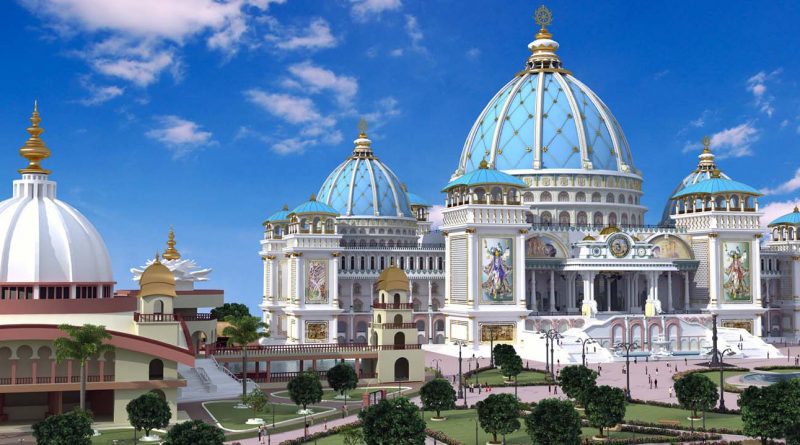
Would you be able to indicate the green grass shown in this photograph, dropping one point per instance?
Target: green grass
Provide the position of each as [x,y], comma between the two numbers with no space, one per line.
[234,419]
[714,375]
[494,377]
[122,436]
[654,414]
[353,396]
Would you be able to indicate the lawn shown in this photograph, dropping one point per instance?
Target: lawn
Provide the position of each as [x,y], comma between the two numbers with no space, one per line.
[494,377]
[234,419]
[122,436]
[353,396]
[714,375]
[654,414]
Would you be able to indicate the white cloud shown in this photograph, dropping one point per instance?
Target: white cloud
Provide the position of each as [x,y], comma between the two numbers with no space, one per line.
[397,52]
[775,210]
[661,74]
[384,109]
[141,65]
[318,35]
[415,33]
[787,187]
[99,94]
[317,79]
[473,53]
[700,122]
[757,85]
[292,109]
[180,135]
[435,215]
[365,10]
[734,142]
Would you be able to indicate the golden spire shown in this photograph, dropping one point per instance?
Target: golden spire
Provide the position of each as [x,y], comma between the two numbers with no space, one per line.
[363,147]
[543,17]
[34,149]
[483,165]
[362,127]
[706,163]
[285,207]
[313,197]
[706,143]
[171,253]
[158,258]
[796,210]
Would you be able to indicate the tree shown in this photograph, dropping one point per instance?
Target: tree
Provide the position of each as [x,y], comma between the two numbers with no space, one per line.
[498,414]
[342,378]
[305,389]
[436,395]
[696,392]
[554,422]
[353,436]
[256,400]
[72,428]
[236,310]
[512,367]
[392,422]
[605,407]
[82,343]
[148,411]
[242,331]
[768,412]
[793,434]
[501,352]
[194,432]
[577,382]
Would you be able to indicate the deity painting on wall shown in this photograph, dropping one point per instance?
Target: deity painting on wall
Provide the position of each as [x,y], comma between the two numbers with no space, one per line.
[497,270]
[316,282]
[736,274]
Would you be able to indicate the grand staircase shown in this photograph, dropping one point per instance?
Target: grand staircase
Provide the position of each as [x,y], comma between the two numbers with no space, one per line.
[209,381]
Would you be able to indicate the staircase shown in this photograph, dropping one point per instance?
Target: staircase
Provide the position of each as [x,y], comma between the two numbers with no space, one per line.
[210,381]
[752,346]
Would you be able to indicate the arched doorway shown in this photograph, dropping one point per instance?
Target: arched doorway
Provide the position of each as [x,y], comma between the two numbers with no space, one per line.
[401,369]
[396,298]
[398,319]
[399,340]
[156,370]
[199,339]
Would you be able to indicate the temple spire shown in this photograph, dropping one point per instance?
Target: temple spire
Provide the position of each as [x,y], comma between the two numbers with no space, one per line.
[363,148]
[706,157]
[171,253]
[34,149]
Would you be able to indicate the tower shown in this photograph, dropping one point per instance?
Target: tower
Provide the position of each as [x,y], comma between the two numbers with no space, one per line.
[399,356]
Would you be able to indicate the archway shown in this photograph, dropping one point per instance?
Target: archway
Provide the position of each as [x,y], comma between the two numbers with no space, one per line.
[398,319]
[396,298]
[156,370]
[199,339]
[158,307]
[401,369]
[399,340]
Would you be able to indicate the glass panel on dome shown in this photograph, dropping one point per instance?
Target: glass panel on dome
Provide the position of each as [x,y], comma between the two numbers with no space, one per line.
[627,158]
[482,141]
[335,190]
[386,203]
[402,197]
[362,202]
[560,147]
[599,144]
[518,133]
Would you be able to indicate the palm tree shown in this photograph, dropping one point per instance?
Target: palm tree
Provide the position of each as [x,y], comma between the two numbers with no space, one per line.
[242,331]
[82,343]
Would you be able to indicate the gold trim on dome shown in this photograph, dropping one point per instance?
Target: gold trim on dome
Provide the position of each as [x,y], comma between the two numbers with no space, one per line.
[34,149]
[609,230]
[171,253]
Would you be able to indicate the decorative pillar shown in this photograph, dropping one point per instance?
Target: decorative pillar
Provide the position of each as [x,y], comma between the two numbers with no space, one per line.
[608,294]
[552,291]
[534,302]
[686,290]
[52,370]
[669,291]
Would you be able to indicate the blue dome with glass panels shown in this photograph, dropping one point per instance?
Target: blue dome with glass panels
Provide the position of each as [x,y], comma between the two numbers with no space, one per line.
[545,118]
[363,186]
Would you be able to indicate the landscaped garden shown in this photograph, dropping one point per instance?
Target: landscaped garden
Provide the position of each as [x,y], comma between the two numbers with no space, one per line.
[121,436]
[235,419]
[665,416]
[353,396]
[495,377]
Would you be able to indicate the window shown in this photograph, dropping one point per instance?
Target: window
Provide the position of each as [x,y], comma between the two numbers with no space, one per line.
[54,293]
[16,293]
[156,370]
[546,218]
[86,292]
[546,197]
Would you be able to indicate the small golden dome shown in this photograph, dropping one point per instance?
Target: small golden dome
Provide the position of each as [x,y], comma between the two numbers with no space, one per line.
[392,278]
[171,253]
[157,279]
[609,230]
[589,238]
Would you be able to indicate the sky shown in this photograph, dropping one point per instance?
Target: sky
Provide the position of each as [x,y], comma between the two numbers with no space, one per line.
[209,115]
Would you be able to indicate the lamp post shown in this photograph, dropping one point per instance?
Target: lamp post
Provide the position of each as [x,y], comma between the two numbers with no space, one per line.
[721,384]
[715,358]
[460,344]
[491,346]
[551,336]
[584,342]
[437,361]
[627,347]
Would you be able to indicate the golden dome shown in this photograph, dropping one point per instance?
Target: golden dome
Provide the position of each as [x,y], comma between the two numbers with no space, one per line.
[157,279]
[609,230]
[589,238]
[392,278]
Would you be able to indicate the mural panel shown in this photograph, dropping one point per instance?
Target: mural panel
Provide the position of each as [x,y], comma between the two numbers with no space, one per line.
[541,247]
[497,332]
[670,248]
[316,282]
[316,331]
[497,282]
[736,272]
[747,325]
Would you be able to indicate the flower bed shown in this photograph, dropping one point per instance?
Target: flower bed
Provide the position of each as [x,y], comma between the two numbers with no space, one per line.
[320,434]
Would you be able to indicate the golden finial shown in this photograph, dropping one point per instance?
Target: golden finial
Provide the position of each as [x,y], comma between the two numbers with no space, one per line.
[795,209]
[483,165]
[362,127]
[171,253]
[706,144]
[34,149]
[715,173]
[543,18]
[313,197]
[158,258]
[285,207]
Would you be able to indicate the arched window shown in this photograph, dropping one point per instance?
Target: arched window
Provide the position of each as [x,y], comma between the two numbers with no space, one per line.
[399,340]
[398,319]
[352,263]
[158,307]
[527,197]
[630,199]
[546,218]
[344,263]
[545,197]
[580,197]
[612,219]
[610,197]
[582,220]
[563,218]
[397,299]
[621,199]
[563,197]
[156,370]
[597,219]
[624,219]
[595,197]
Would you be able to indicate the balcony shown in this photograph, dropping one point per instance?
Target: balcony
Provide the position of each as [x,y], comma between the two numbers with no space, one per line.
[44,380]
[155,318]
[395,306]
[198,317]
[394,325]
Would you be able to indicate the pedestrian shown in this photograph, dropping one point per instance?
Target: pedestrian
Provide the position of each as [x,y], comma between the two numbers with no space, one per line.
[655,382]
[549,389]
[261,434]
[767,354]
[326,424]
[656,370]
[635,360]
[558,361]
[741,338]
[555,389]
[645,370]
[670,392]
[650,379]
[676,369]
[686,361]
[595,349]
[306,430]
[651,384]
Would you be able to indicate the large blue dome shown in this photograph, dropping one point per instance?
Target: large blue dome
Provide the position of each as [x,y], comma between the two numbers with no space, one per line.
[545,118]
[363,186]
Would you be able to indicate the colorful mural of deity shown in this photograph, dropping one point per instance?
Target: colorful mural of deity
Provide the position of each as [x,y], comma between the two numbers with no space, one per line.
[498,265]
[670,248]
[736,272]
[316,331]
[540,247]
[316,282]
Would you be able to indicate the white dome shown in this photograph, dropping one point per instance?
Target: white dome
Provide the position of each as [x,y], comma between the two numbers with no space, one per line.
[44,240]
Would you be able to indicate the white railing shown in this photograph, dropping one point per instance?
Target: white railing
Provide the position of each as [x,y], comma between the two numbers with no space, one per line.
[232,375]
[205,380]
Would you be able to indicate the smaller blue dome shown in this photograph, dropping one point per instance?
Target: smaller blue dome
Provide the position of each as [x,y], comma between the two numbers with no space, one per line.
[792,219]
[716,185]
[281,215]
[485,176]
[416,200]
[315,207]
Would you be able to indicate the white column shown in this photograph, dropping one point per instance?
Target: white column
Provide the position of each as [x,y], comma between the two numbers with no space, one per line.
[300,288]
[333,282]
[755,266]
[552,291]
[519,271]
[669,291]
[608,294]
[534,302]
[430,312]
[686,290]
[714,292]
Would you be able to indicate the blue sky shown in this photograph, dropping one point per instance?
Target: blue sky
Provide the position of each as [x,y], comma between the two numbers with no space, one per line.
[209,115]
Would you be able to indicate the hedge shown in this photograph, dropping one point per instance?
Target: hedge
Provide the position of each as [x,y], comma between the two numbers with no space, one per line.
[547,382]
[321,434]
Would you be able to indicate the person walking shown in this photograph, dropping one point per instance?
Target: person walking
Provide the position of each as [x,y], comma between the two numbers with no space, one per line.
[651,384]
[655,382]
[261,434]
[670,392]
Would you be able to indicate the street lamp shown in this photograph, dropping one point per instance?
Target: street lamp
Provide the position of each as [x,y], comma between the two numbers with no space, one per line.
[587,340]
[460,344]
[491,346]
[550,336]
[628,347]
[721,384]
[437,361]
